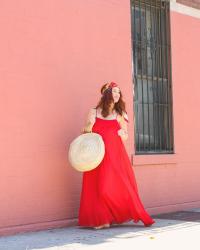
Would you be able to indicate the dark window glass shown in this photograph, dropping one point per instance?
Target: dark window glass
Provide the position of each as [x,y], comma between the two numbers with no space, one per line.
[150,23]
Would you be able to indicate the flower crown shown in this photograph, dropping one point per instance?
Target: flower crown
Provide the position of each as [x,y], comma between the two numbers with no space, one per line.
[110,86]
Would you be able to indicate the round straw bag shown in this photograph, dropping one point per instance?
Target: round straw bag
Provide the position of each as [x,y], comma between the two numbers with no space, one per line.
[86,151]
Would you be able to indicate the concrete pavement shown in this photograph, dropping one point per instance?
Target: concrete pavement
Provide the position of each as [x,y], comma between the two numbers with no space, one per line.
[173,230]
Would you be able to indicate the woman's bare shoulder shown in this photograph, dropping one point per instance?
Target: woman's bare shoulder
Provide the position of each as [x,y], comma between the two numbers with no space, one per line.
[123,117]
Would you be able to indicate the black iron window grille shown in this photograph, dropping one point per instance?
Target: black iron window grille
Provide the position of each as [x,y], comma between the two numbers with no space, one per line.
[150,25]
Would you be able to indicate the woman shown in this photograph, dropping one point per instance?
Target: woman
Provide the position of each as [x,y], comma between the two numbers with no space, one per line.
[109,192]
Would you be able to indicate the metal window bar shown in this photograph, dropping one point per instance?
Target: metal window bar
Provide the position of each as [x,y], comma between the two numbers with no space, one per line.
[150,23]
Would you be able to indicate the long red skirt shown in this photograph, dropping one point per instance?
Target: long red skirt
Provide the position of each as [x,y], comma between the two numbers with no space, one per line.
[109,192]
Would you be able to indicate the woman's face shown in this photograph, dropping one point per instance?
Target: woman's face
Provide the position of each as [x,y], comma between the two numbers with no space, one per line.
[116,94]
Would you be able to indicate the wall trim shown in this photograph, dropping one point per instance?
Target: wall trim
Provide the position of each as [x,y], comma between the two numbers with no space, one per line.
[186,206]
[33,227]
[183,9]
[154,159]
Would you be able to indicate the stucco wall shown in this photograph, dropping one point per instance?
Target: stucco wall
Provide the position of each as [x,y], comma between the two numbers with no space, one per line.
[55,55]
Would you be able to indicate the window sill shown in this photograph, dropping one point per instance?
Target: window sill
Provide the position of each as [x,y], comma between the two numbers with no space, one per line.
[137,160]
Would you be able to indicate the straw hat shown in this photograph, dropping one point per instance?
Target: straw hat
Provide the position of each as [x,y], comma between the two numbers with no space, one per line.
[86,151]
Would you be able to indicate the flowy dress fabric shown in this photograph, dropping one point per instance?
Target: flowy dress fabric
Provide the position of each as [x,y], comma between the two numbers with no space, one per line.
[109,192]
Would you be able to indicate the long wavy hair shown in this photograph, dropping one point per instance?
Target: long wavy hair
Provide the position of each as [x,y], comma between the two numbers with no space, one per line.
[107,99]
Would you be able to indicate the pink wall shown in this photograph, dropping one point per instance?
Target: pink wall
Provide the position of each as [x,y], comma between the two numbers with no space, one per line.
[55,55]
[54,58]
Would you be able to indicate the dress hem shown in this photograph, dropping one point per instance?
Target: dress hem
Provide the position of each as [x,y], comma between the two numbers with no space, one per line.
[115,222]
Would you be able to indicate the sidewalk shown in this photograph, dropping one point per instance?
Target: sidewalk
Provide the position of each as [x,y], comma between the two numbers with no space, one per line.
[173,230]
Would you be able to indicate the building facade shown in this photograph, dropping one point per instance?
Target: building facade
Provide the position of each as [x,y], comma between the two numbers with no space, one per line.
[55,56]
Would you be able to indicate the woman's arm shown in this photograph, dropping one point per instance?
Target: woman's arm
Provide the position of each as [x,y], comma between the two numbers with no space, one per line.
[123,132]
[89,121]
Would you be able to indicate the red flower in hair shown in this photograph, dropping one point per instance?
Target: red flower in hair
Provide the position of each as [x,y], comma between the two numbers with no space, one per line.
[113,84]
[110,86]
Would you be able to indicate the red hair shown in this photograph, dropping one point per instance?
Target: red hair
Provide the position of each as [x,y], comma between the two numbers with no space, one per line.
[107,99]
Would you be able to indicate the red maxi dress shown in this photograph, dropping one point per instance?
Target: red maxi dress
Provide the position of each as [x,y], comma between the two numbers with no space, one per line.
[109,192]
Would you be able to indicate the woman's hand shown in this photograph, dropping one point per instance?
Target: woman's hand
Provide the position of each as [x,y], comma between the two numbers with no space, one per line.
[123,133]
[86,130]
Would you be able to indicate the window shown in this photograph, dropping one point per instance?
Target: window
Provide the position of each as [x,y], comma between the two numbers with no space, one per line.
[150,24]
